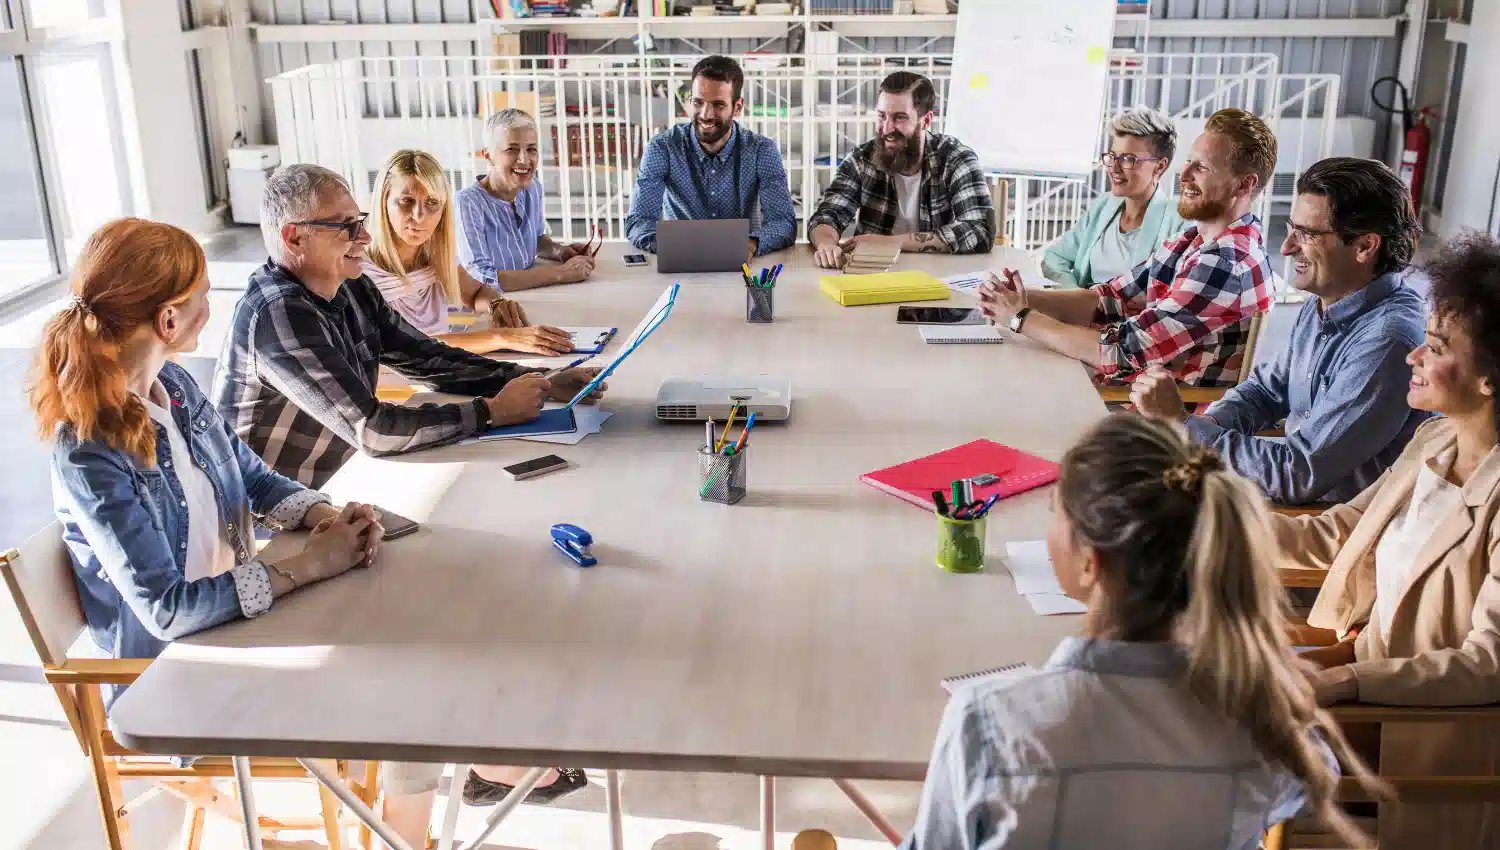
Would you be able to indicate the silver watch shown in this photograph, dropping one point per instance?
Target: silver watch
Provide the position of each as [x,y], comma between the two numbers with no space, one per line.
[1019,319]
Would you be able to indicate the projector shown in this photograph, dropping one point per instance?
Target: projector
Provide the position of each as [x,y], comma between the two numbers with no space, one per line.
[698,399]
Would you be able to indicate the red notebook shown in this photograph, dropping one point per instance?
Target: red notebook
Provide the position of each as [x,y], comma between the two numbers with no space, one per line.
[915,480]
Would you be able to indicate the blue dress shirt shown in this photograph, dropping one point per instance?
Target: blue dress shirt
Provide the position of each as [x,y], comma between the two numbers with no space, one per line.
[743,180]
[496,235]
[1340,383]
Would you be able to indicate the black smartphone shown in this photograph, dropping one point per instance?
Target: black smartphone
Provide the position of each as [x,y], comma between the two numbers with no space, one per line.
[534,467]
[908,315]
[396,525]
[635,259]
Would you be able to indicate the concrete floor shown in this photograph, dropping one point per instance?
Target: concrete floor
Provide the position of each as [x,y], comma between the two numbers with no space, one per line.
[46,799]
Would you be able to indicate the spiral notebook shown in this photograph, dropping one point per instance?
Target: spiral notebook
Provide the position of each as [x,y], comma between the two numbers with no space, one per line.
[960,335]
[962,679]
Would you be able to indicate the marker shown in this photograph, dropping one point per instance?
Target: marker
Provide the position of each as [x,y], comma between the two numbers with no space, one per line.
[776,273]
[739,445]
[937,502]
[745,267]
[764,276]
[957,495]
[708,434]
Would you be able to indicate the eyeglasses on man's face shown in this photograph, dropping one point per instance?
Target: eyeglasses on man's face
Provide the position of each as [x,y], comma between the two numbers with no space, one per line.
[351,227]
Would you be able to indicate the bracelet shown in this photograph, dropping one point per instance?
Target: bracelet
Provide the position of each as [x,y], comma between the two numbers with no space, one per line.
[283,572]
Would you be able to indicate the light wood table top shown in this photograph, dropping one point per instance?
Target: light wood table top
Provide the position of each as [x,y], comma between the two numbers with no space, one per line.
[800,632]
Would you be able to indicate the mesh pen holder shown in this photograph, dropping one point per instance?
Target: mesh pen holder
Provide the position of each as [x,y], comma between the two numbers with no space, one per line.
[721,478]
[960,544]
[760,306]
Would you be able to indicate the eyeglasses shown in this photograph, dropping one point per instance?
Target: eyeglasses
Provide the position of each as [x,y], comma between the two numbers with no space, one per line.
[1306,234]
[351,227]
[1128,161]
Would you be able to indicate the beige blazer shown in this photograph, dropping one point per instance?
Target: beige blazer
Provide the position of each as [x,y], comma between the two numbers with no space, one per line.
[1443,645]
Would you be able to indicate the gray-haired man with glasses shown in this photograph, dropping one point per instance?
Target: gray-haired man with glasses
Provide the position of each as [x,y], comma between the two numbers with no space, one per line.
[297,379]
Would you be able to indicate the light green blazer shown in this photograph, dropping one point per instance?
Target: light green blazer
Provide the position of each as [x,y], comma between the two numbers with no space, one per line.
[1068,259]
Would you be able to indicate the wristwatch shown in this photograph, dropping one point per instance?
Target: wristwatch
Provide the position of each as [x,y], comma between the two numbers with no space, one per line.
[1019,319]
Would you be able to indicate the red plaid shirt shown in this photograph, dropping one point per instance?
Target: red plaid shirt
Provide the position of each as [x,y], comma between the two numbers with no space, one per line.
[1188,308]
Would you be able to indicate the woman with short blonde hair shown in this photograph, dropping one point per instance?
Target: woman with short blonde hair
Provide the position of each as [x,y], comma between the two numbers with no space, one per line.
[413,259]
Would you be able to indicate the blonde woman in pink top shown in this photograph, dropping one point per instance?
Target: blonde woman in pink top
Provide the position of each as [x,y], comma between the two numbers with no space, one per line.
[413,260]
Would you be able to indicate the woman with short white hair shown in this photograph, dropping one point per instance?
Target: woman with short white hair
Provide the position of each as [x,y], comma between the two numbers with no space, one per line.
[1123,229]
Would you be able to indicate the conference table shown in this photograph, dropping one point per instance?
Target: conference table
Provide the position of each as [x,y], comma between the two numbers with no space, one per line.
[800,632]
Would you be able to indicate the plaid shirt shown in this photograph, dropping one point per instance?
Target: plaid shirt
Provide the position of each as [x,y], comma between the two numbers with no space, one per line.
[955,202]
[1188,308]
[297,377]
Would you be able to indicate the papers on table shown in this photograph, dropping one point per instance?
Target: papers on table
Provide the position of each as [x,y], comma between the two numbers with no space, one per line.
[967,283]
[960,334]
[1032,569]
[589,340]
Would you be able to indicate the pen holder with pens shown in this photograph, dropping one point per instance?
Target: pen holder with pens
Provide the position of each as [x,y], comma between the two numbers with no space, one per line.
[721,477]
[960,545]
[760,304]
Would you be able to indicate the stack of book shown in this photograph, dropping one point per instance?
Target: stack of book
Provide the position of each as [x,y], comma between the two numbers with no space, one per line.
[871,258]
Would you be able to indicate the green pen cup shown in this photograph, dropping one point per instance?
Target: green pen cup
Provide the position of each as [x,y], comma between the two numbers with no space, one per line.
[721,478]
[960,544]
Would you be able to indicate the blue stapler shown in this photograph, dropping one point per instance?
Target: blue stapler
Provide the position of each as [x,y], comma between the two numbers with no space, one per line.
[574,542]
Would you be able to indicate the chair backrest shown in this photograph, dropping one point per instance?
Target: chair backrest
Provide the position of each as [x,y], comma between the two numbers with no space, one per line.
[40,577]
[1252,338]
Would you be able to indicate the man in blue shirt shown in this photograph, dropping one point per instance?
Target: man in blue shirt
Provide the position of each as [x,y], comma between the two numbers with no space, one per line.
[1341,381]
[713,168]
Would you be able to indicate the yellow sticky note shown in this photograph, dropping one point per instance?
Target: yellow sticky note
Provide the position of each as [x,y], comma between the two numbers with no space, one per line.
[1096,55]
[980,82]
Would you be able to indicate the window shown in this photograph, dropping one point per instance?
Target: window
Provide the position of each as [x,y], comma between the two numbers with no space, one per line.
[58,13]
[25,250]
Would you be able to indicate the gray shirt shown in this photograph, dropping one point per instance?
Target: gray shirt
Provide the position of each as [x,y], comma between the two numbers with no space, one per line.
[1340,383]
[1110,256]
[1104,748]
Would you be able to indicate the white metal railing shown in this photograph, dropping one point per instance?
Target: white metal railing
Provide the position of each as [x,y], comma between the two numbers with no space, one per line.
[597,112]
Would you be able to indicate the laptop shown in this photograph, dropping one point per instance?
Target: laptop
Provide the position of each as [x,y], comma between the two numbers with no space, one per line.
[708,245]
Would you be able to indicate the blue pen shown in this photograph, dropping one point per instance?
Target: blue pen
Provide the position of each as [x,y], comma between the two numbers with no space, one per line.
[561,369]
[988,503]
[775,273]
[764,275]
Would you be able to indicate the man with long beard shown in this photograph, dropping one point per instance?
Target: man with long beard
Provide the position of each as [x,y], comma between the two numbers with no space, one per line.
[908,186]
[713,168]
[1188,308]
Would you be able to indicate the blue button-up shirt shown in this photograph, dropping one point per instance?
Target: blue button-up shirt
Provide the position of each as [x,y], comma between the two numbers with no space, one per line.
[1105,746]
[667,187]
[1340,383]
[496,235]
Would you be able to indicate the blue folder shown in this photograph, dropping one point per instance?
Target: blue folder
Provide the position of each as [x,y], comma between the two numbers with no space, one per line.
[561,420]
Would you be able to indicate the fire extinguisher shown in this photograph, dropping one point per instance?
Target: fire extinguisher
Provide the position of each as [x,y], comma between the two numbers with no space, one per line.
[1418,142]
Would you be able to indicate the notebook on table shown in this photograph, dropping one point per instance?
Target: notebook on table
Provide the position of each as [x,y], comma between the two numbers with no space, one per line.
[853,290]
[962,679]
[960,334]
[914,481]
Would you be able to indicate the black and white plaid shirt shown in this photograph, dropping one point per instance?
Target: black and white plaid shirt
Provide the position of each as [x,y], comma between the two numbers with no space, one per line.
[955,202]
[297,378]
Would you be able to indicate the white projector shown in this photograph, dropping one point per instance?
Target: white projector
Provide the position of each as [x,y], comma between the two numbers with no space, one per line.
[697,399]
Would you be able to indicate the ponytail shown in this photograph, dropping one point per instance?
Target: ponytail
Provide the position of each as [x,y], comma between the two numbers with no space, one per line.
[129,270]
[1190,544]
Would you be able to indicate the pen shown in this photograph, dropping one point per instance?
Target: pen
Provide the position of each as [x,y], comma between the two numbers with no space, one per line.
[745,267]
[727,425]
[561,369]
[739,445]
[776,273]
[988,503]
[765,275]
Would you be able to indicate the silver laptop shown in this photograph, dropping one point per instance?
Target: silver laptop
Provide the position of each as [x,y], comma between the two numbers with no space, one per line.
[710,245]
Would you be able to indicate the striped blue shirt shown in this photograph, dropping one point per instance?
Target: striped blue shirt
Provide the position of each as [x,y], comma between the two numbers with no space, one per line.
[495,235]
[745,179]
[1104,748]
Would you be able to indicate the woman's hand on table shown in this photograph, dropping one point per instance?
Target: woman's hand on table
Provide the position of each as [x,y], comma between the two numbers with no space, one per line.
[574,269]
[536,339]
[566,384]
[1000,300]
[505,313]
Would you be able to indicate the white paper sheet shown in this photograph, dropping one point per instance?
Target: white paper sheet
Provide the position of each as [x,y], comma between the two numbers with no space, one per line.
[1031,567]
[967,283]
[1048,604]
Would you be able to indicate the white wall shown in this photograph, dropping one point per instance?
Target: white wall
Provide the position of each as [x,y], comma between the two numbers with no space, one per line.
[1476,138]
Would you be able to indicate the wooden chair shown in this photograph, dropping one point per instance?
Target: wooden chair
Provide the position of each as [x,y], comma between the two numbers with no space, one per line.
[40,577]
[1120,393]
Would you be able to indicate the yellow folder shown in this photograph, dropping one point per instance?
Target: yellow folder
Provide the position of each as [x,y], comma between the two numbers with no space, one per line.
[852,290]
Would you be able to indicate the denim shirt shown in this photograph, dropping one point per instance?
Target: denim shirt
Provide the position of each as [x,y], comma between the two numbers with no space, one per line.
[1340,383]
[126,527]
